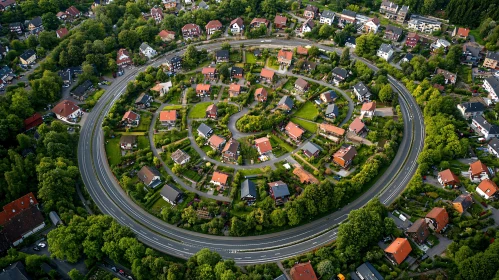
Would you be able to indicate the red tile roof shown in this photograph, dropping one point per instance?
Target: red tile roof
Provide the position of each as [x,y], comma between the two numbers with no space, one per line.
[305,176]
[213,24]
[463,32]
[263,145]
[332,129]
[357,125]
[440,215]
[216,140]
[73,11]
[212,109]
[488,187]
[302,271]
[235,87]
[208,70]
[168,116]
[130,115]
[203,87]
[447,176]
[190,26]
[301,50]
[370,106]
[166,33]
[33,121]
[61,32]
[294,130]
[15,207]
[266,73]
[399,249]
[478,167]
[238,20]
[65,108]
[220,177]
[280,20]
[260,20]
[285,54]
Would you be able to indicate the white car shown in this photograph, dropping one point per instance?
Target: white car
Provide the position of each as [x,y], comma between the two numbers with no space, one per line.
[41,245]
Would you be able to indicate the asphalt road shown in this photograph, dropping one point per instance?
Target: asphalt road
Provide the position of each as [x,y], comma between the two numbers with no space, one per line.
[113,201]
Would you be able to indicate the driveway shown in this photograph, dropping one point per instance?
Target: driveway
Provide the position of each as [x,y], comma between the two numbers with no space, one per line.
[438,249]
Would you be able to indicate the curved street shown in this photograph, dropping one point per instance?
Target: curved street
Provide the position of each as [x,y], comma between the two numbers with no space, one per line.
[112,200]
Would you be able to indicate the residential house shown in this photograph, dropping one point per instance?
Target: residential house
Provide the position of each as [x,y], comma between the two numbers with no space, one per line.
[257,22]
[303,271]
[301,51]
[479,172]
[261,95]
[493,147]
[147,51]
[170,4]
[67,111]
[80,92]
[362,92]
[345,155]
[472,54]
[423,24]
[267,75]
[180,157]
[483,127]
[311,12]
[168,117]
[462,203]
[24,224]
[367,271]
[12,208]
[450,78]
[301,85]
[248,191]
[440,44]
[162,88]
[219,179]
[236,26]
[347,17]
[263,145]
[16,27]
[234,90]
[393,33]
[191,30]
[372,26]
[61,32]
[351,42]
[73,12]
[280,22]
[128,142]
[209,73]
[285,104]
[327,17]
[17,270]
[143,101]
[284,57]
[216,142]
[236,72]
[307,26]
[357,127]
[487,189]
[332,111]
[231,150]
[339,75]
[62,16]
[35,23]
[171,194]
[448,179]
[203,5]
[157,14]
[368,109]
[222,56]
[385,51]
[203,89]
[311,150]
[412,40]
[279,192]
[174,63]
[393,11]
[32,122]
[398,251]
[304,176]
[212,111]
[491,85]
[130,119]
[204,130]
[329,129]
[123,58]
[418,232]
[471,109]
[461,32]
[309,65]
[28,57]
[407,58]
[6,4]
[3,50]
[166,35]
[437,219]
[150,176]
[294,131]
[213,26]
[491,60]
[328,96]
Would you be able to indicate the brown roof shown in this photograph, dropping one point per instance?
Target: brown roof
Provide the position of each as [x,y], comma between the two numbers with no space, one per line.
[305,176]
[261,92]
[302,271]
[168,116]
[399,249]
[232,146]
[370,106]
[147,173]
[216,140]
[294,130]
[448,75]
[123,53]
[263,144]
[60,14]
[478,167]
[301,50]
[488,187]
[301,83]
[413,35]
[235,87]
[357,125]
[280,20]
[463,32]
[332,129]
[260,20]
[65,108]
[440,215]
[448,176]
[190,26]
[213,24]
[130,115]
[238,20]
[212,109]
[61,32]
[33,121]
[346,153]
[166,33]
[125,139]
[208,70]
[266,73]
[203,87]
[15,207]
[220,177]
[285,54]
[375,21]
[179,156]
[22,223]
[73,11]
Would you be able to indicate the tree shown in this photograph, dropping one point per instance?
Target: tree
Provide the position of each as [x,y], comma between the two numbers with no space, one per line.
[161,75]
[326,31]
[32,42]
[75,274]
[46,89]
[314,51]
[325,268]
[386,93]
[50,21]
[128,38]
[345,57]
[20,104]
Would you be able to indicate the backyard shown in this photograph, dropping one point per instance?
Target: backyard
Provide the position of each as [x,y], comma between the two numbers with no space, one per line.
[309,126]
[199,110]
[308,111]
[113,151]
[145,121]
[143,142]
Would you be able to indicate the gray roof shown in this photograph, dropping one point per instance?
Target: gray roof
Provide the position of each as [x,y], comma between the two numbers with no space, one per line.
[385,48]
[349,13]
[394,29]
[248,188]
[281,277]
[27,54]
[203,5]
[474,50]
[361,89]
[491,128]
[340,72]
[404,8]
[330,95]
[493,55]
[37,21]
[494,144]
[144,46]
[408,56]
[279,188]
[494,83]
[179,156]
[351,40]
[81,89]
[286,100]
[471,107]
[311,148]
[143,99]
[465,199]
[328,14]
[170,192]
[15,272]
[368,272]
[173,59]
[424,19]
[332,109]
[222,54]
[55,218]
[204,129]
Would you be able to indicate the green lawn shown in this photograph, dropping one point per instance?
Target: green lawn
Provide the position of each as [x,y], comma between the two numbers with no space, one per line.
[309,126]
[272,63]
[113,151]
[143,142]
[145,121]
[290,84]
[172,107]
[308,111]
[199,110]
[250,58]
[93,98]
[477,36]
[160,203]
[246,172]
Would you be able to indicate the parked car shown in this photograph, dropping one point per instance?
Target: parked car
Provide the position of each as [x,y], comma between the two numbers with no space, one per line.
[36,249]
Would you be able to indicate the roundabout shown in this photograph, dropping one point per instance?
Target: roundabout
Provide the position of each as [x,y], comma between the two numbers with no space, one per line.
[112,199]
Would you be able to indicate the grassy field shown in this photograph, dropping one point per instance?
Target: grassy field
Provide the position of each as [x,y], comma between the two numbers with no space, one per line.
[159,204]
[199,110]
[477,36]
[309,126]
[172,107]
[290,84]
[308,111]
[250,58]
[113,151]
[143,142]
[145,121]
[93,98]
[272,63]
[247,172]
